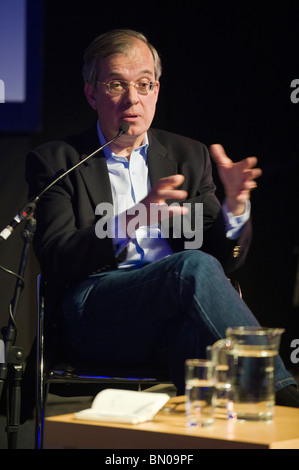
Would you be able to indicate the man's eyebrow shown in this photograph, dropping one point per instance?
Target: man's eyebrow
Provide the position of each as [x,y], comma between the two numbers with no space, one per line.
[116,73]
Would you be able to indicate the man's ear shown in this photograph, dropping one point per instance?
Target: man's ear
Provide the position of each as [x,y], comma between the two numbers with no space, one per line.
[90,95]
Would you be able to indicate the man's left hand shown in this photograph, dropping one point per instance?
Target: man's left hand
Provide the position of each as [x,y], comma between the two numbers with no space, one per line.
[238,178]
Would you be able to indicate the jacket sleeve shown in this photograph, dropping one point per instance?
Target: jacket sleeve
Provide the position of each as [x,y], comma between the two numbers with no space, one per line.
[197,168]
[65,241]
[231,253]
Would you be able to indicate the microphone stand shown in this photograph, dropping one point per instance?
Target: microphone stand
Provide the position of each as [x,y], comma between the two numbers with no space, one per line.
[12,366]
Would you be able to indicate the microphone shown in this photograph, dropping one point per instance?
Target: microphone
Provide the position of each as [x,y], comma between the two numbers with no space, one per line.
[27,211]
[124,127]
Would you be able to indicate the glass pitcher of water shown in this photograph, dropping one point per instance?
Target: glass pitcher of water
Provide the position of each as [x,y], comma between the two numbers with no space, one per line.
[245,363]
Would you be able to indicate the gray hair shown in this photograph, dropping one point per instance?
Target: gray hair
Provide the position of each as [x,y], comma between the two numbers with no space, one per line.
[115,41]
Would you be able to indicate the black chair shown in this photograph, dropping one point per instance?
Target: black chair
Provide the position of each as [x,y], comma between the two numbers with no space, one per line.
[77,380]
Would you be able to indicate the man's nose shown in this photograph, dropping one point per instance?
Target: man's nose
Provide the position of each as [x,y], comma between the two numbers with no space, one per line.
[131,94]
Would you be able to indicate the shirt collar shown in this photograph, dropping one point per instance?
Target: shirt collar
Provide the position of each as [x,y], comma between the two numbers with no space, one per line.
[111,155]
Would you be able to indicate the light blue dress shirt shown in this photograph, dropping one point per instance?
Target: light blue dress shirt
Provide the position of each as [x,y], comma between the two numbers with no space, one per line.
[130,184]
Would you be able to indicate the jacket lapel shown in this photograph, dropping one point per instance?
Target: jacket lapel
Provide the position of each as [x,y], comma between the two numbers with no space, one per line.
[159,165]
[94,172]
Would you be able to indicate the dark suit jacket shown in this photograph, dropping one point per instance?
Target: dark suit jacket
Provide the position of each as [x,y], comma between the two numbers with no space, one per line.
[65,241]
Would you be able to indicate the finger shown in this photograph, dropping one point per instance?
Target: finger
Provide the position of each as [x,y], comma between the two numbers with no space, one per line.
[252,185]
[172,181]
[165,209]
[248,162]
[255,173]
[164,194]
[218,154]
[178,210]
[248,185]
[252,174]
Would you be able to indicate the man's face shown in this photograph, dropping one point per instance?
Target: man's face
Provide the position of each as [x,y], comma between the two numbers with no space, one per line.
[132,107]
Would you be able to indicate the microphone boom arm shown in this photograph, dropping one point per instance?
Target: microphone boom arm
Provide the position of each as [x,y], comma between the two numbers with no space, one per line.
[28,210]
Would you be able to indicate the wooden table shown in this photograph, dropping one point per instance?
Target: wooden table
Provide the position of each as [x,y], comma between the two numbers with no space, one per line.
[168,430]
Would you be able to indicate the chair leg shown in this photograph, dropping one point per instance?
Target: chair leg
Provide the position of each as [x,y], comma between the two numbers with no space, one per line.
[41,391]
[40,416]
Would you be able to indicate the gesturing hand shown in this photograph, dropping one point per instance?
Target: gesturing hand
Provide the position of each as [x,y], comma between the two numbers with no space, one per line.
[153,207]
[164,190]
[238,178]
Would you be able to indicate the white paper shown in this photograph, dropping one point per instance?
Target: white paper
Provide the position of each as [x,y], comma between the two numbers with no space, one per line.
[124,406]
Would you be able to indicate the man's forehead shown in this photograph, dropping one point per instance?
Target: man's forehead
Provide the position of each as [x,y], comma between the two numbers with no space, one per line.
[133,60]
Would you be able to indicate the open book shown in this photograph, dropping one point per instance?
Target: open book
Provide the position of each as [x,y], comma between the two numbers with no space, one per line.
[124,406]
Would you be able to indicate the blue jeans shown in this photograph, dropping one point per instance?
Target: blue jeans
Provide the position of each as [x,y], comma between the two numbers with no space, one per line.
[167,311]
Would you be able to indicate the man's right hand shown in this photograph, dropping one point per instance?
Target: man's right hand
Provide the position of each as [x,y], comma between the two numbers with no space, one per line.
[164,190]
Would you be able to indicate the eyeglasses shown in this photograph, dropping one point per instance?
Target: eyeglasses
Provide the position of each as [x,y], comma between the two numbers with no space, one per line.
[118,87]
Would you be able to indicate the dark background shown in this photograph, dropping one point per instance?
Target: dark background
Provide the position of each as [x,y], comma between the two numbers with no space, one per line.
[243,57]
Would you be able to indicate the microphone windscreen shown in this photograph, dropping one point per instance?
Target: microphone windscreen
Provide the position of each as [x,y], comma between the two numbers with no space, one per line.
[124,127]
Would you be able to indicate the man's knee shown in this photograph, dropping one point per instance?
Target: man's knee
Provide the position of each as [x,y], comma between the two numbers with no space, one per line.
[196,259]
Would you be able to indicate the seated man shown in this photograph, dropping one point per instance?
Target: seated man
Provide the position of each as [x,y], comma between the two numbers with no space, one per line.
[120,289]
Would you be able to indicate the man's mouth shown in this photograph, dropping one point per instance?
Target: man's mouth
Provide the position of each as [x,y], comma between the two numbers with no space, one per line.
[130,117]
